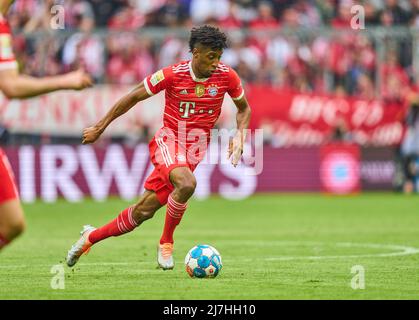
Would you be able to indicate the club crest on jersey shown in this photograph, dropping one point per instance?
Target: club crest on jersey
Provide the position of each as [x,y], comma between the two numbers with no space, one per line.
[199,90]
[212,90]
[157,77]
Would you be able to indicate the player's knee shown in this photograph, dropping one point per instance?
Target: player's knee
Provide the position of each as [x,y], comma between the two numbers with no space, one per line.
[187,186]
[20,227]
[184,181]
[15,229]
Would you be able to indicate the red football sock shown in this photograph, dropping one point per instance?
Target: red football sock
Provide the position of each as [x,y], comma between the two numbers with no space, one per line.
[174,213]
[3,242]
[122,224]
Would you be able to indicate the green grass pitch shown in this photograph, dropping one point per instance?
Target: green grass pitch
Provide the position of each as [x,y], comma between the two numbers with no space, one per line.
[276,246]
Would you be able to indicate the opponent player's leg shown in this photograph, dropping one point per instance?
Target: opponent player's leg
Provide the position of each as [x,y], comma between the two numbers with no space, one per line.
[184,183]
[12,221]
[127,220]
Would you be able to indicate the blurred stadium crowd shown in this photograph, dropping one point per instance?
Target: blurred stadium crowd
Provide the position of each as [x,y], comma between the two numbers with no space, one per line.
[317,62]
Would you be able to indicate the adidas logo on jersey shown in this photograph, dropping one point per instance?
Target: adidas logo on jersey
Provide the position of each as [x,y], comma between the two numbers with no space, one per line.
[184,91]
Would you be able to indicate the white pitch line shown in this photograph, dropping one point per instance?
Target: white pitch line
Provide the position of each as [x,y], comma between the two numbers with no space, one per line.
[400,251]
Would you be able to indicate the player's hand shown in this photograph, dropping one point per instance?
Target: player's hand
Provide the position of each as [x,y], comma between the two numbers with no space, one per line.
[235,149]
[78,80]
[90,135]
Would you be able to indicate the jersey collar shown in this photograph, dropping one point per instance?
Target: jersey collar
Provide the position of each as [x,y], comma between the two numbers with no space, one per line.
[193,74]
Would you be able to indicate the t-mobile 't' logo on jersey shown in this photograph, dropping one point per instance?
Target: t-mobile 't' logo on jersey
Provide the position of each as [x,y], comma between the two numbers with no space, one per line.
[187,108]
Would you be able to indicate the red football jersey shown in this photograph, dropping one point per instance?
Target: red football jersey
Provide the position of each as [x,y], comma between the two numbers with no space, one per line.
[191,102]
[7,58]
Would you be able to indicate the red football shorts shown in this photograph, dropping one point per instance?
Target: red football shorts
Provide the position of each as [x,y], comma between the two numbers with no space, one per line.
[8,190]
[167,154]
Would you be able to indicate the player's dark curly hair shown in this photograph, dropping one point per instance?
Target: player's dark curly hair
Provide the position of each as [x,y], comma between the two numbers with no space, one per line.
[207,36]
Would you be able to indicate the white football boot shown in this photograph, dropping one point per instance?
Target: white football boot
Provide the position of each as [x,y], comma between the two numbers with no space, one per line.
[165,256]
[82,246]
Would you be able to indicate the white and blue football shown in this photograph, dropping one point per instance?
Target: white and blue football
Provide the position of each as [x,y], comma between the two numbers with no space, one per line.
[203,261]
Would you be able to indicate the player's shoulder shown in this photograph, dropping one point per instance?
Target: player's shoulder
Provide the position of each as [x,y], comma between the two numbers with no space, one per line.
[180,67]
[224,68]
[227,71]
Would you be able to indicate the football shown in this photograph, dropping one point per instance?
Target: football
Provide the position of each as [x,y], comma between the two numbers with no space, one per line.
[203,261]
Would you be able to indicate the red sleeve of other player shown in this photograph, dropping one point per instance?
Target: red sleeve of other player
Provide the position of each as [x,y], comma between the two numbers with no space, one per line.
[235,89]
[158,81]
[7,58]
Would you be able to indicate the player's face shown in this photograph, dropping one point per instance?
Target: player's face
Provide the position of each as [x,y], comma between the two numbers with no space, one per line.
[207,60]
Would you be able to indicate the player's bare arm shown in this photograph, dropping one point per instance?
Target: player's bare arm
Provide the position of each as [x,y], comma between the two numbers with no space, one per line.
[5,5]
[235,149]
[17,86]
[91,134]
